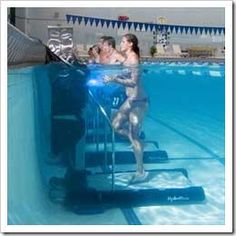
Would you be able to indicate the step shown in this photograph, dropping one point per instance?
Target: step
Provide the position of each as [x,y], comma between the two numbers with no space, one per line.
[123,154]
[91,136]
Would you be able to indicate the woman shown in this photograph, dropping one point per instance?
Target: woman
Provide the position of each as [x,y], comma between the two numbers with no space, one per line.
[127,121]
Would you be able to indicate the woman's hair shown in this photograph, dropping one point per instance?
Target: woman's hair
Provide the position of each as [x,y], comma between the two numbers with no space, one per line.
[133,39]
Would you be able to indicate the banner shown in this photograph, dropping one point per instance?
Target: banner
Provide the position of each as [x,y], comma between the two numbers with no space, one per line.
[143,26]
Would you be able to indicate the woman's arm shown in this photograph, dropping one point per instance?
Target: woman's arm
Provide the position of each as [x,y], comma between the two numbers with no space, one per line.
[119,57]
[122,79]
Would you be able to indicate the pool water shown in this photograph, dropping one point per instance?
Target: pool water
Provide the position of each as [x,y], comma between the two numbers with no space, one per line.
[190,103]
[186,116]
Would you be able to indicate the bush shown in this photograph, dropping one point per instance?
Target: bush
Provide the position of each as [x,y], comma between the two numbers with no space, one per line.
[153,50]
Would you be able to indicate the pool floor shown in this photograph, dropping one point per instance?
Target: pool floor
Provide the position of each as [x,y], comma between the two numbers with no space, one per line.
[182,154]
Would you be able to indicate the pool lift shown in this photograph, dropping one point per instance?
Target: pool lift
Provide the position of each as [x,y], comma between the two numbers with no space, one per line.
[101,190]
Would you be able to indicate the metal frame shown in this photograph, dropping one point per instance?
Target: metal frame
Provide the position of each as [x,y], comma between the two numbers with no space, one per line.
[101,110]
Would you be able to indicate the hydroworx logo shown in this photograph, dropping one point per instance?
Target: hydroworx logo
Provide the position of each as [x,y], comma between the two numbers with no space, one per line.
[177,198]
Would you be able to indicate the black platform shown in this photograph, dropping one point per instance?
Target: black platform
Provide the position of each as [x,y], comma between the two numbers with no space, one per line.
[93,202]
[162,187]
[123,154]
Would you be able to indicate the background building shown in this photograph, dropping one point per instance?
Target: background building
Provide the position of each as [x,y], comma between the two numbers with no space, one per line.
[34,22]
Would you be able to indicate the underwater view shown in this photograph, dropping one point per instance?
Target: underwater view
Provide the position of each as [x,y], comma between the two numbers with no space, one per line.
[68,165]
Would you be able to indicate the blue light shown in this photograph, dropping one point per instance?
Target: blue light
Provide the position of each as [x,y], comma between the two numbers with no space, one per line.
[95,83]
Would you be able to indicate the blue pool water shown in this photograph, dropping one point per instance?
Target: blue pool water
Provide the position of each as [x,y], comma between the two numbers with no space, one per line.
[189,99]
[186,117]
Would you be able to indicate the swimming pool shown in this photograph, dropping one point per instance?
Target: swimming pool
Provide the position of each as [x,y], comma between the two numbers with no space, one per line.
[186,117]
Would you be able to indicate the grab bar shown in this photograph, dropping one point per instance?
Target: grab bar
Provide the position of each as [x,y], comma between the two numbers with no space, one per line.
[101,108]
[103,112]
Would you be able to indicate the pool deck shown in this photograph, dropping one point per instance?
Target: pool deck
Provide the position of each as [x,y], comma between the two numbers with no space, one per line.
[183,59]
[83,59]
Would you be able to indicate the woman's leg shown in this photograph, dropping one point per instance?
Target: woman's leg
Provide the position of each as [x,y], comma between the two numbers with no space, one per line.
[135,118]
[120,120]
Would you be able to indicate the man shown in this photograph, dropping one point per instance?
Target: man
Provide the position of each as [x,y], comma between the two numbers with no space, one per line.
[108,53]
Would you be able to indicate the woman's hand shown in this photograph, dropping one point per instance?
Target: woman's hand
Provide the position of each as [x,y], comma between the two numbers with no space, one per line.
[107,79]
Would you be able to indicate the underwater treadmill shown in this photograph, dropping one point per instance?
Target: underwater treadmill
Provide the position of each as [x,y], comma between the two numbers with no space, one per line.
[86,192]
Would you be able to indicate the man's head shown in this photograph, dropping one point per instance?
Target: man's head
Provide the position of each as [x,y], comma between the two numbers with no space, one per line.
[108,44]
[110,41]
[101,41]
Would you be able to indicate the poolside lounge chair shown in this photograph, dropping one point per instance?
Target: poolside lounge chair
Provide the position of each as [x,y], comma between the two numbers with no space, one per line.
[177,51]
[219,53]
[160,50]
[202,51]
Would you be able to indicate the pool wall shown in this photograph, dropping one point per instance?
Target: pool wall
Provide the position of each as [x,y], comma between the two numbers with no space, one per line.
[28,141]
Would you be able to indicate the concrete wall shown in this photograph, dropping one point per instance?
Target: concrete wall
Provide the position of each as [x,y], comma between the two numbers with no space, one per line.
[39,18]
[21,19]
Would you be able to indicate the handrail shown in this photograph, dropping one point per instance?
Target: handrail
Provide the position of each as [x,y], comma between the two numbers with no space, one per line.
[103,112]
[101,109]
